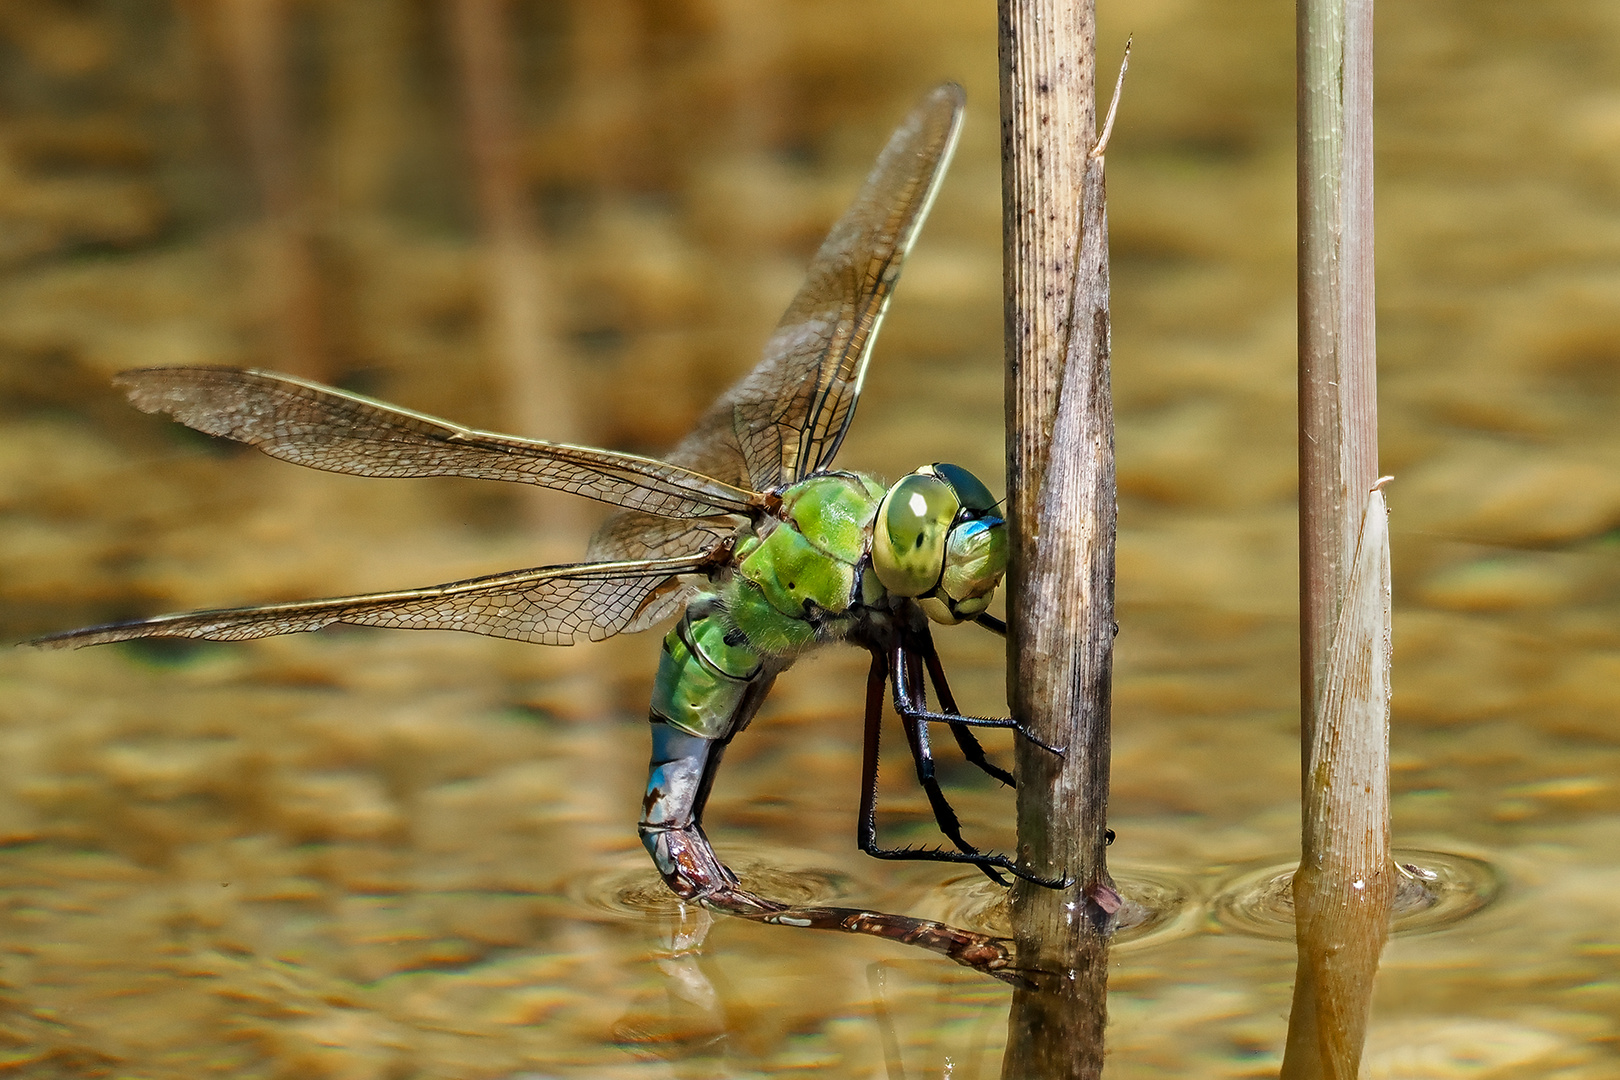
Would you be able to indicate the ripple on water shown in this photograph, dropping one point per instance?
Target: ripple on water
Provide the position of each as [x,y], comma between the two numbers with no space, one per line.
[635,889]
[1436,890]
[1158,906]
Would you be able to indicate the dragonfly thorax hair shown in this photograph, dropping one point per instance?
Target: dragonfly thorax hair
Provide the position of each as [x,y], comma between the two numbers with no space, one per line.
[841,550]
[744,532]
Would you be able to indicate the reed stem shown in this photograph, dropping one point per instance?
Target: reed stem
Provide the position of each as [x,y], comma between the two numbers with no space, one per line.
[1338,387]
[1061,510]
[1345,886]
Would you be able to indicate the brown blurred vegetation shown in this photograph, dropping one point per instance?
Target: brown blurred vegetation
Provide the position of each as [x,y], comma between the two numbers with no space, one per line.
[588,244]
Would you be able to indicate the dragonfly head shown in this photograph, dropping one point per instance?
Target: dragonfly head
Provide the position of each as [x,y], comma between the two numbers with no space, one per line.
[939,538]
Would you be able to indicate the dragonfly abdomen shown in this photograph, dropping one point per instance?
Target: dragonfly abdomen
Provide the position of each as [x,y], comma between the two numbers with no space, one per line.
[710,683]
[702,677]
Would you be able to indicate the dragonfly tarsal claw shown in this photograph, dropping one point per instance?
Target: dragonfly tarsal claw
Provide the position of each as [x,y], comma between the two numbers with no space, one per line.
[992,863]
[1046,882]
[1023,729]
[1030,876]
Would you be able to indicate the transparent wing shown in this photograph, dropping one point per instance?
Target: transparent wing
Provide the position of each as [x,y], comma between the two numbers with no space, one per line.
[786,419]
[314,425]
[551,605]
[628,536]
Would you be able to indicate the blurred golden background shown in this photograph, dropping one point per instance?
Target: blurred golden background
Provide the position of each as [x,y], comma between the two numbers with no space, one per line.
[387,855]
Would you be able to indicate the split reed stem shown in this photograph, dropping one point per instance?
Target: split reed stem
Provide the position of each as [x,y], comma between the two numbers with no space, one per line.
[1344,889]
[1061,509]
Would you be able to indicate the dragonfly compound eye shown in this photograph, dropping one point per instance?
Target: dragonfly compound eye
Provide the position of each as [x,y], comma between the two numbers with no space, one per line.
[975,561]
[910,533]
[970,490]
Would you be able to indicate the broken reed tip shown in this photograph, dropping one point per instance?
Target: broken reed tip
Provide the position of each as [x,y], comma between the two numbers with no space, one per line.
[1113,104]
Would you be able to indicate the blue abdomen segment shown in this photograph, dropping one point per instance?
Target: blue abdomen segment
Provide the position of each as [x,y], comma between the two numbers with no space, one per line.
[707,689]
[677,786]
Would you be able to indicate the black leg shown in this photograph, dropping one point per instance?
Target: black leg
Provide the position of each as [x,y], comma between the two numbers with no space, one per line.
[867,827]
[992,624]
[917,736]
[956,719]
[964,734]
[920,711]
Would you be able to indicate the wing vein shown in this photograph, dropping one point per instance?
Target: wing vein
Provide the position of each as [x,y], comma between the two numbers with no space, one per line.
[549,605]
[332,430]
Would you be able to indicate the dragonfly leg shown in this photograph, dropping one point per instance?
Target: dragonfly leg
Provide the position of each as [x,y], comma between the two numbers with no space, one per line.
[866,823]
[681,774]
[971,749]
[959,721]
[917,736]
[917,708]
[866,829]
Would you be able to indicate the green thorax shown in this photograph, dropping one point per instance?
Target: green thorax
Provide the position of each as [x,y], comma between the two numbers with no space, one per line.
[796,580]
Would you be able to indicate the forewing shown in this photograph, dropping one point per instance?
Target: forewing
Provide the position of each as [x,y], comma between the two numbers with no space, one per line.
[786,419]
[628,535]
[551,605]
[323,428]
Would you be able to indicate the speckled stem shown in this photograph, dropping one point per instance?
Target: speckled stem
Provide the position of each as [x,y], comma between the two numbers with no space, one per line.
[991,955]
[1061,499]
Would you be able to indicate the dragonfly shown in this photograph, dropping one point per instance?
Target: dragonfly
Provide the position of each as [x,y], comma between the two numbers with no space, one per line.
[745,532]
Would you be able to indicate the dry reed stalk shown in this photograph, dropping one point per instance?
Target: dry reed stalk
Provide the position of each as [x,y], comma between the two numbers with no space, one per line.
[252,39]
[1338,387]
[1345,888]
[1061,508]
[530,366]
[1346,881]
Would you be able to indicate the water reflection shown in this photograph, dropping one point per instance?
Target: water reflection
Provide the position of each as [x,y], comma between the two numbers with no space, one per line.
[786,876]
[1435,890]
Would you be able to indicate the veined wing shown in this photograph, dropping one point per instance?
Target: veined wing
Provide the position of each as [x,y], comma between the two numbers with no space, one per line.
[786,419]
[629,535]
[323,428]
[551,605]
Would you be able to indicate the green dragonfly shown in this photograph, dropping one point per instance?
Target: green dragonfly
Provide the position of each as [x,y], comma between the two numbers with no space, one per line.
[745,531]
